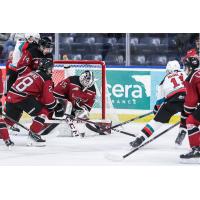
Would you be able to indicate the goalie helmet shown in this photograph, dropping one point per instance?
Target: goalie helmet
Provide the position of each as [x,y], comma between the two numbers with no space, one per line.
[86,79]
[46,65]
[172,66]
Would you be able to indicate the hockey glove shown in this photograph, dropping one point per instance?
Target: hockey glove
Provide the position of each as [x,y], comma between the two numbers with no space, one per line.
[82,113]
[155,110]
[59,110]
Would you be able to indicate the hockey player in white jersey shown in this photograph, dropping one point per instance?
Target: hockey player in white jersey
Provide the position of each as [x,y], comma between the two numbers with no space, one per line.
[170,99]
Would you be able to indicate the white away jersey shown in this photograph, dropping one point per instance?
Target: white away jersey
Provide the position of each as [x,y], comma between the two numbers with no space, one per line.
[171,84]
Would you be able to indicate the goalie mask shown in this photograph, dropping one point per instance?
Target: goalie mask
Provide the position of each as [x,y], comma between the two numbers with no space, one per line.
[86,79]
[46,66]
[172,66]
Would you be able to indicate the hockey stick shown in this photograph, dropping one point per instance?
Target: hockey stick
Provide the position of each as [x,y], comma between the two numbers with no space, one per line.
[128,121]
[119,158]
[19,124]
[98,130]
[49,128]
[115,126]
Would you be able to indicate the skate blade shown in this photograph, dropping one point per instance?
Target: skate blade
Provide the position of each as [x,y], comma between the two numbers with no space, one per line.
[190,161]
[114,157]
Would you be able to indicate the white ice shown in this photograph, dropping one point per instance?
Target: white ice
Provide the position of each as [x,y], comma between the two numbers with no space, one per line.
[92,150]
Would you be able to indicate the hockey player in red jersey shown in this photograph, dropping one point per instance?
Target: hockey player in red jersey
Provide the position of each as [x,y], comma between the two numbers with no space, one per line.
[33,94]
[192,108]
[171,93]
[3,129]
[30,59]
[77,93]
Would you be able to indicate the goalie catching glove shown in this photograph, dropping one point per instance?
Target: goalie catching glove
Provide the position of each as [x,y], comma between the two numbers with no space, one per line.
[81,111]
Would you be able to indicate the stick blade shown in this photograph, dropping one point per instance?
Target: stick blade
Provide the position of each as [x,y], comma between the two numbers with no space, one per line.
[114,157]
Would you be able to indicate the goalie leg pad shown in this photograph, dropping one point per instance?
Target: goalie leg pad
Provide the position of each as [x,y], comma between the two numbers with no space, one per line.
[74,131]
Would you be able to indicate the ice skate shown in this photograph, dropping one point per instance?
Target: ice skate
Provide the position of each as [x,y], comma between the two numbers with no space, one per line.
[35,140]
[137,142]
[192,157]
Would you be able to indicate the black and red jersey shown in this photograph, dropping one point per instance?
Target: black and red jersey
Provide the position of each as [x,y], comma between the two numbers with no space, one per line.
[35,84]
[192,84]
[71,89]
[30,59]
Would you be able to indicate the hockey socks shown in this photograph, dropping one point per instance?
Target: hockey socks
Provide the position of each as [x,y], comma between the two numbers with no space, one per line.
[150,128]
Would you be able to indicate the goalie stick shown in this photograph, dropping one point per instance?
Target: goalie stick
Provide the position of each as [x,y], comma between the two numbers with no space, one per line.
[57,121]
[119,158]
[98,130]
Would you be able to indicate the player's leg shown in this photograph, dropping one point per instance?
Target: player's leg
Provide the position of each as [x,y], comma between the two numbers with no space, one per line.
[35,109]
[4,134]
[165,112]
[193,122]
[13,112]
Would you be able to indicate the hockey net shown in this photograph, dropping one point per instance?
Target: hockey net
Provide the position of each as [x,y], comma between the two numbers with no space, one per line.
[76,67]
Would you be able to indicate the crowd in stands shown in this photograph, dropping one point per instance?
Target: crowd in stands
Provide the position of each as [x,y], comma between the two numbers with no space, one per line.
[145,49]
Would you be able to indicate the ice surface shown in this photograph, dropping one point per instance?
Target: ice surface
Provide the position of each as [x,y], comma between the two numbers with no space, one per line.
[91,150]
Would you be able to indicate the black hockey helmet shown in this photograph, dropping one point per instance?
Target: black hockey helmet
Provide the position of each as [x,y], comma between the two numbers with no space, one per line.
[45,42]
[191,62]
[46,65]
[45,45]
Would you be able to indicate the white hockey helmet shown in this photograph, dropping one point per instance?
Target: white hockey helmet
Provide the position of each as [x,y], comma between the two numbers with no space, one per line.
[32,37]
[172,66]
[36,37]
[19,36]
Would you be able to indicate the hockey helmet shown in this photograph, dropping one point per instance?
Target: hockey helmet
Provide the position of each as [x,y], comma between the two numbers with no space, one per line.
[46,65]
[191,62]
[172,66]
[32,37]
[45,45]
[19,36]
[86,79]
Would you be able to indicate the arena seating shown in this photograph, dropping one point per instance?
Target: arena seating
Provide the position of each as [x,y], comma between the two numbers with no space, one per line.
[145,49]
